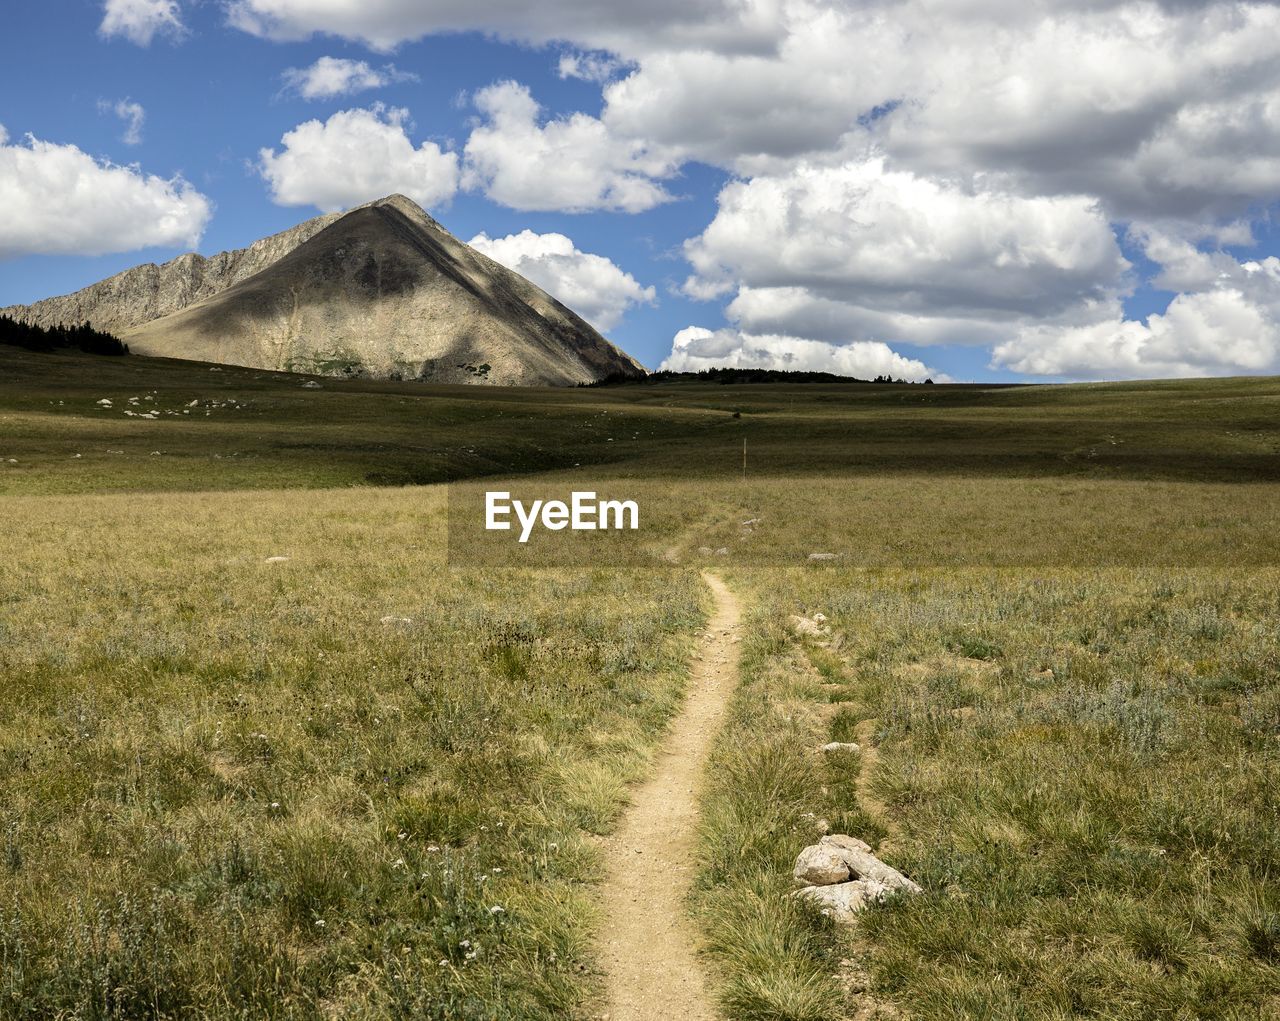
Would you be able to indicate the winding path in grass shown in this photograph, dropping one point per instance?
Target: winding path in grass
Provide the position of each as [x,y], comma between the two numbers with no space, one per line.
[649,944]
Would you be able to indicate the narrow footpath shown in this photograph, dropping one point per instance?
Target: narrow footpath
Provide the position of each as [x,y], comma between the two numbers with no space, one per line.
[649,946]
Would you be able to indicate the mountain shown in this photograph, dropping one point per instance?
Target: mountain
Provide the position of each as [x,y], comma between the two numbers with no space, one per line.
[382,290]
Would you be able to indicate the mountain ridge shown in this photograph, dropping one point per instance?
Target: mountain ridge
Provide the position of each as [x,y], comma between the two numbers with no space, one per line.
[381,290]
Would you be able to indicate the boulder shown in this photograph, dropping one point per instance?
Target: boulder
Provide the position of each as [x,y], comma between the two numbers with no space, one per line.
[865,865]
[842,902]
[840,746]
[821,866]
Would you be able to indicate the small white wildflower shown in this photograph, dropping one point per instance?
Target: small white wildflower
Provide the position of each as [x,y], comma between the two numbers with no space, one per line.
[402,835]
[398,863]
[319,923]
[497,871]
[432,848]
[464,943]
[444,963]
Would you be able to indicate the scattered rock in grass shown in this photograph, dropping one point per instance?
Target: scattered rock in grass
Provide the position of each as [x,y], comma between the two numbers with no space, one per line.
[840,746]
[843,901]
[823,556]
[311,384]
[751,523]
[104,403]
[817,865]
[705,550]
[396,620]
[276,560]
[865,865]
[843,877]
[723,551]
[807,626]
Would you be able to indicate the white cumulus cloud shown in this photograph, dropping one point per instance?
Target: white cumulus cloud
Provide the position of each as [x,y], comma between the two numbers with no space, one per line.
[140,21]
[357,156]
[695,348]
[340,76]
[570,164]
[594,24]
[1226,321]
[847,251]
[58,200]
[592,285]
[133,115]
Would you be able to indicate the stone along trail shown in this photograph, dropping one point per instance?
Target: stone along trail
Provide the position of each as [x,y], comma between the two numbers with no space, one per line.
[649,944]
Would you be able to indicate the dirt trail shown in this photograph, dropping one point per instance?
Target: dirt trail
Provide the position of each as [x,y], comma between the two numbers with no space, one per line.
[649,945]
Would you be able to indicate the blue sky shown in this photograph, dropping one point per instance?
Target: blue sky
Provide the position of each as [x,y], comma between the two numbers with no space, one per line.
[801,184]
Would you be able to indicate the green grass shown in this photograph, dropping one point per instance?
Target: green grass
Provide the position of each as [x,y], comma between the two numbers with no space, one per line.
[1056,606]
[230,791]
[1081,768]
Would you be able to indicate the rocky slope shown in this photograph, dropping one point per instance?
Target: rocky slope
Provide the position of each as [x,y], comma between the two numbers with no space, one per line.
[382,290]
[148,292]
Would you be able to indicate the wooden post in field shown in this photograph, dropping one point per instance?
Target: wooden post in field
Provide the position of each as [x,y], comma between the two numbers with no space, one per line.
[744,459]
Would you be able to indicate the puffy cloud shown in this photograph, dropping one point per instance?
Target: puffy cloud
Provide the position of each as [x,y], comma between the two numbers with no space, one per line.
[571,164]
[1226,322]
[131,113]
[591,285]
[140,21]
[855,248]
[695,348]
[357,156]
[596,24]
[59,200]
[339,76]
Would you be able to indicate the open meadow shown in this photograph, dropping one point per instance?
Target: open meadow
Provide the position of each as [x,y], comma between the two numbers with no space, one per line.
[274,743]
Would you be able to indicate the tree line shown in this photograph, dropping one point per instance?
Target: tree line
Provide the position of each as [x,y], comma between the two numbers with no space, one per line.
[731,376]
[19,333]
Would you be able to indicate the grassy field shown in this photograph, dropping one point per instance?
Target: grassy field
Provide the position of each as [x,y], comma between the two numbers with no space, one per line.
[345,784]
[239,787]
[1082,768]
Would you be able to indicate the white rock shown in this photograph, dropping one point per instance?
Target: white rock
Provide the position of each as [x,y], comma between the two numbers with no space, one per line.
[821,866]
[193,404]
[723,551]
[819,618]
[805,626]
[843,902]
[104,403]
[823,556]
[865,865]
[311,384]
[841,746]
[396,620]
[276,560]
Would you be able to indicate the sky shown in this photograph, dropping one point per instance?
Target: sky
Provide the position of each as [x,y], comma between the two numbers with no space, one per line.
[1021,190]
